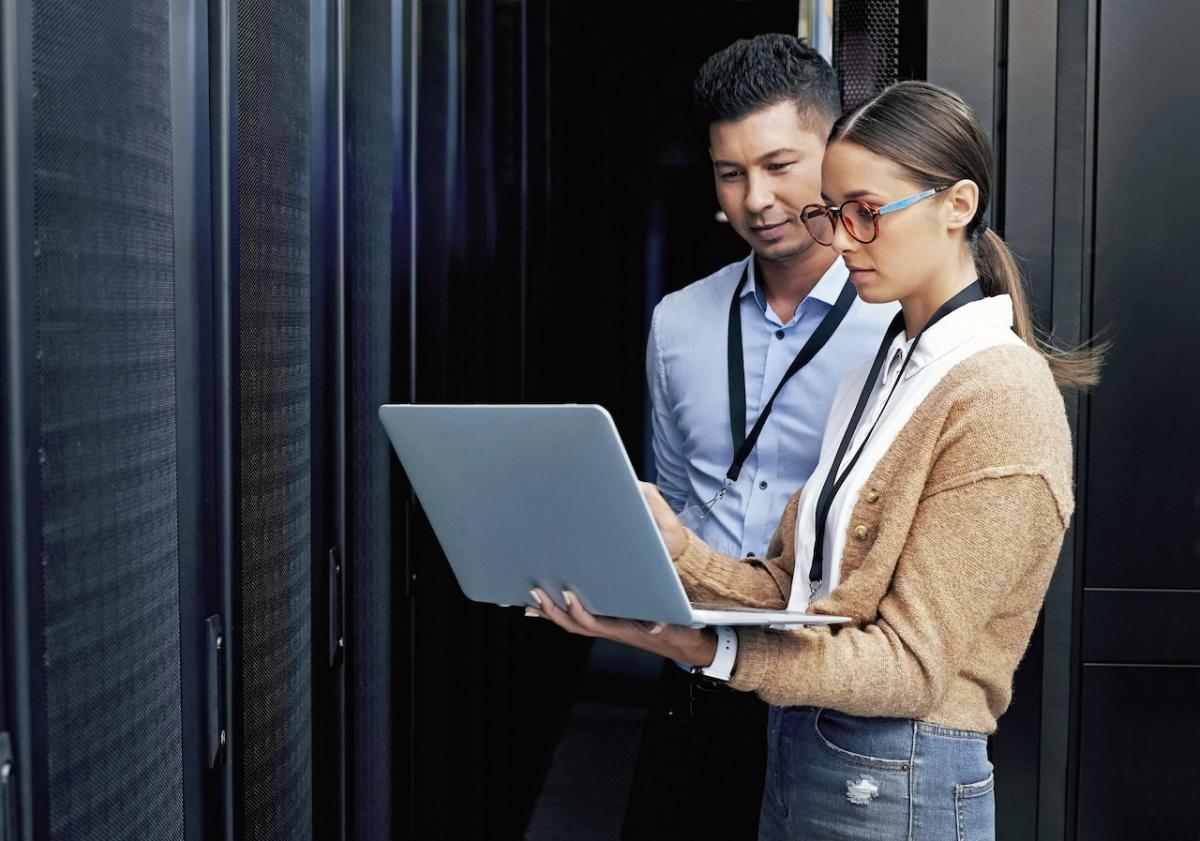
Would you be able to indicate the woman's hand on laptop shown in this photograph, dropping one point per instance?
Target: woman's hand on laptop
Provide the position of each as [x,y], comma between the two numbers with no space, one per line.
[695,646]
[673,532]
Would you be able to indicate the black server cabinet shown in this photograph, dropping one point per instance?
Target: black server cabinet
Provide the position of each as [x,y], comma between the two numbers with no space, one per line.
[173,497]
[94,662]
[276,109]
[877,43]
[271,206]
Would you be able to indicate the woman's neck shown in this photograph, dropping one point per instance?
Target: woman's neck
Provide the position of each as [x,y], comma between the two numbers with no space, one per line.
[920,306]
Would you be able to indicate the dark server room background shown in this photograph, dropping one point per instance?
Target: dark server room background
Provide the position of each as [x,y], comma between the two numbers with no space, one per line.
[233,228]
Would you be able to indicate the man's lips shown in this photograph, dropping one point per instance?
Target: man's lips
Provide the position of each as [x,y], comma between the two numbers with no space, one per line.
[771,231]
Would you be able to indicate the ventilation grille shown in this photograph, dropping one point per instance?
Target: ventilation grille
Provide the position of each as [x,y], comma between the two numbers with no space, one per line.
[274,382]
[104,277]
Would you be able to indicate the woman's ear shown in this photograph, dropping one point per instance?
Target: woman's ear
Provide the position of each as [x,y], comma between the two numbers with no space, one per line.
[961,202]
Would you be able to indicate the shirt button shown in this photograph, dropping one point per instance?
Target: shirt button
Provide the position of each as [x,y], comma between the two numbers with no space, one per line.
[762,486]
[860,532]
[779,334]
[872,495]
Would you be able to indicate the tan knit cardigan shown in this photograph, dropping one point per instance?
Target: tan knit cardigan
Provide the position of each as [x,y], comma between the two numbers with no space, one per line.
[950,550]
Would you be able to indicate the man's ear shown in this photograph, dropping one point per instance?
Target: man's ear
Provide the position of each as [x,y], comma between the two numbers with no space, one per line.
[961,202]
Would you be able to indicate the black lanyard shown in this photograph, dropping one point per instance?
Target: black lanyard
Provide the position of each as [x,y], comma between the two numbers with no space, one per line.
[743,445]
[833,482]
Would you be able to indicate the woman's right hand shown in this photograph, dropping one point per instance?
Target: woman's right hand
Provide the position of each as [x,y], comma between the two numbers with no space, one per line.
[673,532]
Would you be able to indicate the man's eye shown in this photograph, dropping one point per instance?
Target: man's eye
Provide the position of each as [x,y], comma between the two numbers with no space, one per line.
[779,166]
[730,174]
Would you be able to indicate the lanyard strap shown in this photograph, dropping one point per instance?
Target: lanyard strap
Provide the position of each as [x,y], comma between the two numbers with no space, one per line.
[743,444]
[833,482]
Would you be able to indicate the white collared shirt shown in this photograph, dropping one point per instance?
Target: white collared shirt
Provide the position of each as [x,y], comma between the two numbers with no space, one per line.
[961,334]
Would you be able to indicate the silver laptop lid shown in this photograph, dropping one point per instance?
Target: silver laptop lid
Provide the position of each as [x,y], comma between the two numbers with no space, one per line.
[520,496]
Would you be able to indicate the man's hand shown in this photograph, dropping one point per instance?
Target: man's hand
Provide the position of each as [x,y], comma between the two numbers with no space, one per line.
[672,530]
[695,646]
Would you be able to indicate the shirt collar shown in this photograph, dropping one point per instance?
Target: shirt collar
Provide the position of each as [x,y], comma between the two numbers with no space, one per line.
[826,291]
[957,328]
[829,287]
[752,288]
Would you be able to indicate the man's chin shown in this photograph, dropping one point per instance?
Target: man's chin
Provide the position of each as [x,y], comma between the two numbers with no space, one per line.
[781,252]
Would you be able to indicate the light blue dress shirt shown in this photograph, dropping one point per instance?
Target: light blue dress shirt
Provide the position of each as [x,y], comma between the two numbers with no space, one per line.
[686,368]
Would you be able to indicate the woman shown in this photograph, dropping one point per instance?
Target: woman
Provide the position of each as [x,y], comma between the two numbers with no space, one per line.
[933,520]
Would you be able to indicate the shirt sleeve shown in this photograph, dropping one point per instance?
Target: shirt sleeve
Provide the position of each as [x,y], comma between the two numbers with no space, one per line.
[723,662]
[669,462]
[721,667]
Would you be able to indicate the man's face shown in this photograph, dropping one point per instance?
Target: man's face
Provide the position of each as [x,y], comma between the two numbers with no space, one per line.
[767,166]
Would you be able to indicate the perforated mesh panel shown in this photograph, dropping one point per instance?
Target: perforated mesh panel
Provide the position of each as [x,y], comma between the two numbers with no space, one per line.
[866,47]
[104,276]
[274,457]
[369,290]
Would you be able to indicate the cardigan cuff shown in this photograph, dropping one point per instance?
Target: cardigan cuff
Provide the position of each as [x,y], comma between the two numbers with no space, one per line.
[692,562]
[753,655]
[701,566]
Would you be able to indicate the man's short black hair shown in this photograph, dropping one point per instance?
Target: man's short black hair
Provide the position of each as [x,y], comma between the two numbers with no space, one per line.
[763,71]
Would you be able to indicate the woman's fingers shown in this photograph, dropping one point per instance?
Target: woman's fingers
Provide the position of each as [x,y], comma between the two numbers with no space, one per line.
[549,610]
[575,619]
[595,626]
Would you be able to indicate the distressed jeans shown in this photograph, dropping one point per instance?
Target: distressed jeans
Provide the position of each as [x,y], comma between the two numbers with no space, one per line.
[838,777]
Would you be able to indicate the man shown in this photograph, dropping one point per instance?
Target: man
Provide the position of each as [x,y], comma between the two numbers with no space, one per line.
[769,102]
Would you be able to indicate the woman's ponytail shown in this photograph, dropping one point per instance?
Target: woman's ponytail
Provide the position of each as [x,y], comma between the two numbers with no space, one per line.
[1076,368]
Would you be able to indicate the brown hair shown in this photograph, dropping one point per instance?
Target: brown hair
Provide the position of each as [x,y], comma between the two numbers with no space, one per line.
[936,138]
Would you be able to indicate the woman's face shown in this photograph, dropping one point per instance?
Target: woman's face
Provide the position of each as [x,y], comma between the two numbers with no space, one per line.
[911,247]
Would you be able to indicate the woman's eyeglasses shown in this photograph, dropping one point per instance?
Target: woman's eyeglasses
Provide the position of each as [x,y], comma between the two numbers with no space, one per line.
[860,219]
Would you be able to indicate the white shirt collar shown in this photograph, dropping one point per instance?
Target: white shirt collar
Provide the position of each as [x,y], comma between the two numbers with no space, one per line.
[951,332]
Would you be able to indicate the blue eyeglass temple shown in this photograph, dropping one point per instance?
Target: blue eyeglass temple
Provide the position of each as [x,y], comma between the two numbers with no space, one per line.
[900,204]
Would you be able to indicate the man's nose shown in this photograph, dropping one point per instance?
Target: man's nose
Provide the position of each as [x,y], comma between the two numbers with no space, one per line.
[759,195]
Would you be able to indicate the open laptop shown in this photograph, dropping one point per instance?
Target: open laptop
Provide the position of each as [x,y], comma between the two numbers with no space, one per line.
[545,496]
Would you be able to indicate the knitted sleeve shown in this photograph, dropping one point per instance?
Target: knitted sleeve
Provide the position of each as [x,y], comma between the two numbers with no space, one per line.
[713,578]
[975,552]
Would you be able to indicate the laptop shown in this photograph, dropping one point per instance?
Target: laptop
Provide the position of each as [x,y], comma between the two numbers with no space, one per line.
[545,496]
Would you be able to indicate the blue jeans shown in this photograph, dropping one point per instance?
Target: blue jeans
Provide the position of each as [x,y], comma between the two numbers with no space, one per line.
[838,777]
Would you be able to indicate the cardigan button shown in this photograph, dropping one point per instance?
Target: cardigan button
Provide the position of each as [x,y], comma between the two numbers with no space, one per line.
[861,532]
[872,495]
